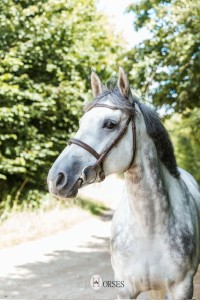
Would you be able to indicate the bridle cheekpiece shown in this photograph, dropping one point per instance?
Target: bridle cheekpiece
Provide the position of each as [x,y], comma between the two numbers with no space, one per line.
[101,156]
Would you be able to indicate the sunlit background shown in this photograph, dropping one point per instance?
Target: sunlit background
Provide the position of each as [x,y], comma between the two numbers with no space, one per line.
[123,21]
[48,49]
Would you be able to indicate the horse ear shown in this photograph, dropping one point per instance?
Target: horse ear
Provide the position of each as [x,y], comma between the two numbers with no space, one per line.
[97,86]
[123,83]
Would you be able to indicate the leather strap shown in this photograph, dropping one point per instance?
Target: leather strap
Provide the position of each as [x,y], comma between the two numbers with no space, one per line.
[134,142]
[104,105]
[100,157]
[107,106]
[120,134]
[84,146]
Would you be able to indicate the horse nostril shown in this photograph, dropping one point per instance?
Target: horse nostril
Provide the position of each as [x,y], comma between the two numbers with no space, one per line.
[61,180]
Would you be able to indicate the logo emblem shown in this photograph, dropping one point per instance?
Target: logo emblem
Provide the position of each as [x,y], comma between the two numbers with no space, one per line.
[96,282]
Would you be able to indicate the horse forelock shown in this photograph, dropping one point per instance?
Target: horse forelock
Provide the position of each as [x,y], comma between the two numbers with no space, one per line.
[154,126]
[114,96]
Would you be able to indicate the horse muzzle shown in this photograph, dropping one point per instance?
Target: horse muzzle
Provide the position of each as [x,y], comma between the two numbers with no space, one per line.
[66,186]
[62,185]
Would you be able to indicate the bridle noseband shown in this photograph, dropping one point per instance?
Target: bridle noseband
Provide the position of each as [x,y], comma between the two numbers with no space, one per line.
[100,157]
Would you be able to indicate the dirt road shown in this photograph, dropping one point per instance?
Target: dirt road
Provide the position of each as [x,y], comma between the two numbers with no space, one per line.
[60,266]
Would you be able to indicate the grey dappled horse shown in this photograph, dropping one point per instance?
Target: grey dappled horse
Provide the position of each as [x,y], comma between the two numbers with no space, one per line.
[155,230]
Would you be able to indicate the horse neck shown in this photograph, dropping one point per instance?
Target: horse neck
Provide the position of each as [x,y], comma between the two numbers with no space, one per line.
[145,188]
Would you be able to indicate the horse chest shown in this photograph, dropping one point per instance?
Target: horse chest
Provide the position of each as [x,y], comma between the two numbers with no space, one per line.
[140,250]
[142,258]
[141,262]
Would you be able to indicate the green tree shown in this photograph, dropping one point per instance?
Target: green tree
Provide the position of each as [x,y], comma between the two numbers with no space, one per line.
[184,134]
[166,66]
[48,48]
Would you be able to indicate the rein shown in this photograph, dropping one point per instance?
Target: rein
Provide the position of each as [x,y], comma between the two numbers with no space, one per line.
[101,156]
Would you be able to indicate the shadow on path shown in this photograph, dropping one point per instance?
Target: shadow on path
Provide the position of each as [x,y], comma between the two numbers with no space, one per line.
[60,267]
[65,275]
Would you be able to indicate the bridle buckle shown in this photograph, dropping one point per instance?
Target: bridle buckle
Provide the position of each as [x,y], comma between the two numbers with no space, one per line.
[102,175]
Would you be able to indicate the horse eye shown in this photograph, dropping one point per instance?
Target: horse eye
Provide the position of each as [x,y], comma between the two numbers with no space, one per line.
[109,124]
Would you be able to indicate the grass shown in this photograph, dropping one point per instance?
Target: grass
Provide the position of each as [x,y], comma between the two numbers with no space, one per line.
[23,224]
[47,202]
[94,207]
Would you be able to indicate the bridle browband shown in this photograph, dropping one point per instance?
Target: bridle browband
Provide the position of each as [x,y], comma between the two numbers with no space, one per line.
[100,157]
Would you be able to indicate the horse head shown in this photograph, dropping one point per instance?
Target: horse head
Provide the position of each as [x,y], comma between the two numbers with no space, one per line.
[104,143]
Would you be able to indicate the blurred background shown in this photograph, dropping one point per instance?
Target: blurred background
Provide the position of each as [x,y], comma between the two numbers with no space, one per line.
[48,49]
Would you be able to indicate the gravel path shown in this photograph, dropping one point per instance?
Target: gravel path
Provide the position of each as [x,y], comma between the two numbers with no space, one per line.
[60,266]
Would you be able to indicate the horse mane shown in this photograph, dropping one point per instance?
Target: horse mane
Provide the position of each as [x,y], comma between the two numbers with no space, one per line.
[160,136]
[155,128]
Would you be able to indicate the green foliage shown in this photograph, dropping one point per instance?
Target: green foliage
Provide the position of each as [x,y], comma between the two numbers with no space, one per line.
[95,208]
[166,68]
[186,138]
[47,51]
[167,65]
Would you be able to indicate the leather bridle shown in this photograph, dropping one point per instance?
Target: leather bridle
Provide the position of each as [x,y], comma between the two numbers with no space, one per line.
[101,156]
